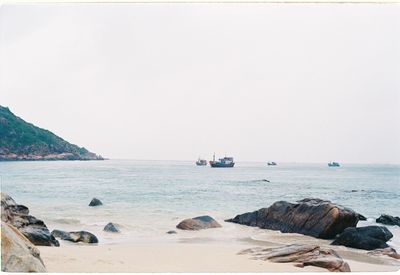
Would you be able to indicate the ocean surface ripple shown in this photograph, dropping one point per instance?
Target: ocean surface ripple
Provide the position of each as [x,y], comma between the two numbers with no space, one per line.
[148,198]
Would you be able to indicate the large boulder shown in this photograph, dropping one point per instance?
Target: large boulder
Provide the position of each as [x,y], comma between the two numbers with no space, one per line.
[301,255]
[77,236]
[313,217]
[197,223]
[388,220]
[110,227]
[368,237]
[18,254]
[32,228]
[95,202]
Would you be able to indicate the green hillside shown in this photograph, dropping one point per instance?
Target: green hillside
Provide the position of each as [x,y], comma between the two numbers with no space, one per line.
[20,140]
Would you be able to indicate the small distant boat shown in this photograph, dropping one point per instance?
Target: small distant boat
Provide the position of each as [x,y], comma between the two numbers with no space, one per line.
[201,162]
[333,164]
[272,163]
[225,162]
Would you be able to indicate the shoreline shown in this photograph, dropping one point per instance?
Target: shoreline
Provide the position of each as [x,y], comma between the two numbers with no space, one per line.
[182,257]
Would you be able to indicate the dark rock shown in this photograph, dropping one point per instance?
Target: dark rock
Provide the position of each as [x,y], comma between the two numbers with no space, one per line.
[361,217]
[18,208]
[303,255]
[388,220]
[110,227]
[77,236]
[313,217]
[59,234]
[39,235]
[171,232]
[95,202]
[32,228]
[197,223]
[368,237]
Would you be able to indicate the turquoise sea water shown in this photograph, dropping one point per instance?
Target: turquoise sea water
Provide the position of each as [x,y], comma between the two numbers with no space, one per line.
[148,198]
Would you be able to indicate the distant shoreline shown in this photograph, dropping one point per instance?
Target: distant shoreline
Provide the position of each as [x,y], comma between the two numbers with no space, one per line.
[51,157]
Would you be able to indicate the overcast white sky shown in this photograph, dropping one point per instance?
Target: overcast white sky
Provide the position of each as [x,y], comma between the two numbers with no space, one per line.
[260,82]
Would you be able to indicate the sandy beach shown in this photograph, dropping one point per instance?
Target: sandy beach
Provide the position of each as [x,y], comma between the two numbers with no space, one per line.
[180,257]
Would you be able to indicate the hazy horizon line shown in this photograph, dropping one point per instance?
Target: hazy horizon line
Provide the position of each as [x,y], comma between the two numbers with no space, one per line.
[258,161]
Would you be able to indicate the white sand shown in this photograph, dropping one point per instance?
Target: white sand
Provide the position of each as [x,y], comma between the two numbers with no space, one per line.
[174,257]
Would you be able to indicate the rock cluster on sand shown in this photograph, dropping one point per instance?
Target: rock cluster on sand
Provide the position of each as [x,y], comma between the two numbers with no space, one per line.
[303,255]
[18,254]
[32,228]
[197,223]
[388,220]
[78,236]
[95,202]
[313,217]
[368,237]
[110,227]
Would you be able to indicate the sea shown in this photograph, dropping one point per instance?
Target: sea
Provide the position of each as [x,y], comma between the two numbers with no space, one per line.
[148,198]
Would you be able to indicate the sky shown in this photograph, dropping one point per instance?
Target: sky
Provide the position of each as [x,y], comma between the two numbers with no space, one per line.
[259,82]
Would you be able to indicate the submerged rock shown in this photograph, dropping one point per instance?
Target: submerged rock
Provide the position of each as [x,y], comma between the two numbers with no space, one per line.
[110,227]
[77,236]
[302,255]
[172,232]
[95,202]
[197,223]
[313,217]
[32,228]
[18,254]
[368,237]
[388,220]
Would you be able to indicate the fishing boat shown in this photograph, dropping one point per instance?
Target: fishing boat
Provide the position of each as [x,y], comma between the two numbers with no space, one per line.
[333,164]
[226,162]
[272,163]
[201,162]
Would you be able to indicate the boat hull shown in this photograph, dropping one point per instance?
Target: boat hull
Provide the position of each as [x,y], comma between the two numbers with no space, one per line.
[201,162]
[221,165]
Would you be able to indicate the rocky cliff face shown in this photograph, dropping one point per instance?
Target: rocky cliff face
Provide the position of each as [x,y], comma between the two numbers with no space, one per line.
[21,140]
